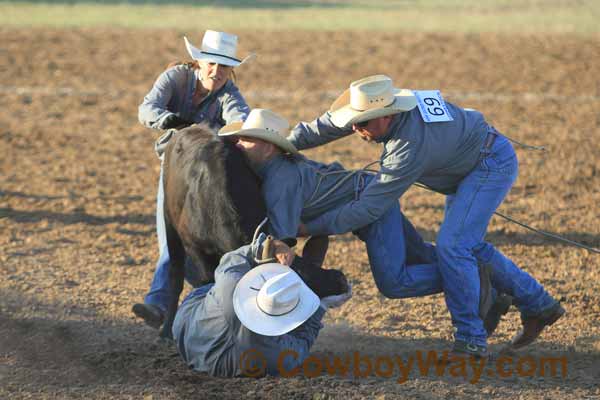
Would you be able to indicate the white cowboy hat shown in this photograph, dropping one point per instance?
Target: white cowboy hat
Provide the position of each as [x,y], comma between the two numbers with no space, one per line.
[369,98]
[271,300]
[264,125]
[218,47]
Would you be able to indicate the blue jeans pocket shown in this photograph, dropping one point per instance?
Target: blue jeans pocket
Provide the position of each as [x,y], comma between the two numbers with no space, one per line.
[502,159]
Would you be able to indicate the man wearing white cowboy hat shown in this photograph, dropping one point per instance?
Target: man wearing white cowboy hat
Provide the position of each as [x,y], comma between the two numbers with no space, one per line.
[202,91]
[455,152]
[298,190]
[251,317]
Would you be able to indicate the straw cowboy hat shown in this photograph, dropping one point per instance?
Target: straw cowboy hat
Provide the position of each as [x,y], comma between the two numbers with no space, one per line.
[271,300]
[370,98]
[218,47]
[264,125]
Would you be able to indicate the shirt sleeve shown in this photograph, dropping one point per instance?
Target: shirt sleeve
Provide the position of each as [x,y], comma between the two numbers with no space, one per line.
[399,169]
[235,108]
[153,110]
[320,131]
[284,202]
[286,352]
[232,267]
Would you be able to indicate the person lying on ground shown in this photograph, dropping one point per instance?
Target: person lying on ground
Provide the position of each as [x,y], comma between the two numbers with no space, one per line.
[263,310]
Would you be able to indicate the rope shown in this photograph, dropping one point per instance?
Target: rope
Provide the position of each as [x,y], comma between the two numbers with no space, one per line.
[350,174]
[538,231]
[506,217]
[258,228]
[527,146]
[548,234]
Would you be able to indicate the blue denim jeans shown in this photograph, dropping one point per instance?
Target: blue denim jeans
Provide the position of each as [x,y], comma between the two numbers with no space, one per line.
[402,263]
[460,245]
[159,293]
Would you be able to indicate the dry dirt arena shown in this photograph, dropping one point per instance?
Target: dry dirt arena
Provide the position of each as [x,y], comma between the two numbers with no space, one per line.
[77,203]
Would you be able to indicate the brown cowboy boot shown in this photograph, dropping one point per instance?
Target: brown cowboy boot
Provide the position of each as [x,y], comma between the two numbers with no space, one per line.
[535,324]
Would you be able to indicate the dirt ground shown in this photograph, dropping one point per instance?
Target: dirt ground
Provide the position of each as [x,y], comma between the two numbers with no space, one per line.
[77,202]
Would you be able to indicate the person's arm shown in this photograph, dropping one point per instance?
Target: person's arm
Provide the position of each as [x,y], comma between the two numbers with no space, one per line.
[232,267]
[284,201]
[286,352]
[234,106]
[398,171]
[306,135]
[153,110]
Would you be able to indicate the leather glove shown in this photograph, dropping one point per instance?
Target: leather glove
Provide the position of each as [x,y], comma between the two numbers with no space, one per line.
[337,300]
[174,121]
[276,251]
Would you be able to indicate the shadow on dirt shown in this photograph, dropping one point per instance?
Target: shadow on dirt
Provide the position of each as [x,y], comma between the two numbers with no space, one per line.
[32,196]
[100,352]
[75,217]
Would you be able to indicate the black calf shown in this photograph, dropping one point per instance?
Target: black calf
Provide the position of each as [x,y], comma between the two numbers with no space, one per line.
[213,205]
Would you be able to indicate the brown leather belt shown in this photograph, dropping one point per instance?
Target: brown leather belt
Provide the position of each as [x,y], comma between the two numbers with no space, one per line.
[489,142]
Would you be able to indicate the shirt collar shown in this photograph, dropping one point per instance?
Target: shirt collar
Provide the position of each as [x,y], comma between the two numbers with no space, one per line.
[396,122]
[263,169]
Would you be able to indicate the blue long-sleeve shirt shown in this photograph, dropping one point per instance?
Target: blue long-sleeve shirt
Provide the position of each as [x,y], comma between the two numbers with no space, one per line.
[210,337]
[296,189]
[173,92]
[438,155]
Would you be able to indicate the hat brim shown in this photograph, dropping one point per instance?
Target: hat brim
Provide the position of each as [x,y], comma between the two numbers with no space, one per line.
[343,115]
[250,315]
[200,55]
[235,129]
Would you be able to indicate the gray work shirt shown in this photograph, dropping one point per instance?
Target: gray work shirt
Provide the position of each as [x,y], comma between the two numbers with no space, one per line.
[297,189]
[172,93]
[211,338]
[438,155]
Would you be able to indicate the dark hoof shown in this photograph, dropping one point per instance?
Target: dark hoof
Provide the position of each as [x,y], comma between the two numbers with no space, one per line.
[331,282]
[152,315]
[166,332]
[324,282]
[499,308]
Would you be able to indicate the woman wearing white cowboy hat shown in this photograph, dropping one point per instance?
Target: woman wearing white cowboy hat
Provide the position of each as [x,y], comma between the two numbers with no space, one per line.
[201,91]
[253,320]
[455,152]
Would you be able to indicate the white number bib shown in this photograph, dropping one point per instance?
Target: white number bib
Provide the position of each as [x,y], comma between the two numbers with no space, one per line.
[432,106]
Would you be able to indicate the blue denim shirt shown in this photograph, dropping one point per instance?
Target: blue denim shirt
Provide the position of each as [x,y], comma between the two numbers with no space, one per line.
[210,338]
[296,189]
[438,155]
[172,93]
